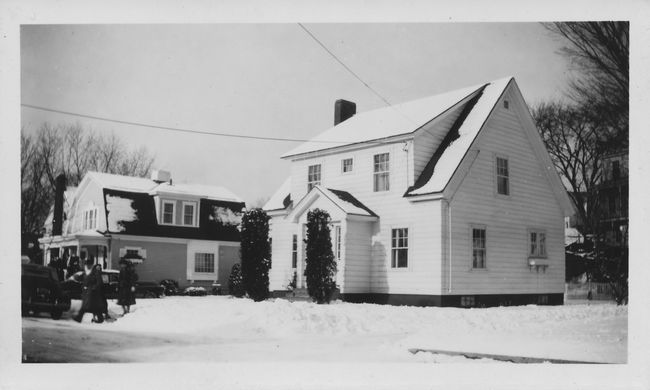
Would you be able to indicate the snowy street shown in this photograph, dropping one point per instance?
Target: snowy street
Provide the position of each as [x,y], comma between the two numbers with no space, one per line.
[224,329]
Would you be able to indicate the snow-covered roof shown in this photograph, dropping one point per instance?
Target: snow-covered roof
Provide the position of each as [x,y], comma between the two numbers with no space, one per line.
[123,183]
[277,201]
[386,122]
[141,184]
[468,130]
[201,190]
[347,202]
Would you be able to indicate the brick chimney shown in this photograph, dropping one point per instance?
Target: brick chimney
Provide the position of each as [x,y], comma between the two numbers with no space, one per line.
[57,217]
[343,110]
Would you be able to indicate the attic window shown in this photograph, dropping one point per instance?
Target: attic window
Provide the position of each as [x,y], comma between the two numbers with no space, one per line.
[506,104]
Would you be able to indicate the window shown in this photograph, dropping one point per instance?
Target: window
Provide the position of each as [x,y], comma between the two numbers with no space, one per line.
[381,182]
[478,248]
[337,242]
[294,252]
[346,165]
[90,219]
[168,212]
[399,248]
[313,176]
[503,176]
[467,301]
[204,262]
[506,104]
[537,243]
[188,213]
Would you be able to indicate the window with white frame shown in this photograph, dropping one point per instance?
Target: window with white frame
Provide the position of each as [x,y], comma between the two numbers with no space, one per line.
[90,219]
[479,253]
[347,165]
[313,176]
[337,242]
[503,176]
[168,211]
[399,248]
[189,213]
[204,262]
[537,243]
[381,172]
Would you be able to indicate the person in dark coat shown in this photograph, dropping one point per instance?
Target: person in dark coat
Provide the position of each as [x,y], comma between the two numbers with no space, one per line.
[126,285]
[73,266]
[91,293]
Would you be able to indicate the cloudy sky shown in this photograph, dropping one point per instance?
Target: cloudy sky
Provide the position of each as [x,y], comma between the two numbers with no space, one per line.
[269,80]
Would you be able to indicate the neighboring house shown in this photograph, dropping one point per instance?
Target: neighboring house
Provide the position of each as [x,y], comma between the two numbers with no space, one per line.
[613,192]
[184,232]
[450,200]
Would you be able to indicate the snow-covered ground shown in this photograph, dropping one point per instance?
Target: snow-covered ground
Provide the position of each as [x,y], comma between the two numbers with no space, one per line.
[224,329]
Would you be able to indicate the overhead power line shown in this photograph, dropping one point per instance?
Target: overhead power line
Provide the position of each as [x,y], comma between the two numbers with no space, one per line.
[173,128]
[353,73]
[344,65]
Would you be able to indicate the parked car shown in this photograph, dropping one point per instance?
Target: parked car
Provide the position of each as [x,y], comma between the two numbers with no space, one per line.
[40,291]
[143,289]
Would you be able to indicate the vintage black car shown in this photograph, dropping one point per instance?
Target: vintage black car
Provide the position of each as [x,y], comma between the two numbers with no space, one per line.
[40,291]
[144,289]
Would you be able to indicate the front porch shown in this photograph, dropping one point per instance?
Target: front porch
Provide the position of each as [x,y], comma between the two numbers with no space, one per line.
[88,245]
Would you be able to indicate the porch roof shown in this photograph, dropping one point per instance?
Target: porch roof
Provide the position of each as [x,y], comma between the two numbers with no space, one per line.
[342,200]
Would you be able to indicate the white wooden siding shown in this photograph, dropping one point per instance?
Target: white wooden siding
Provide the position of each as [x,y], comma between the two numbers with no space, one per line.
[357,260]
[281,273]
[422,218]
[531,204]
[90,193]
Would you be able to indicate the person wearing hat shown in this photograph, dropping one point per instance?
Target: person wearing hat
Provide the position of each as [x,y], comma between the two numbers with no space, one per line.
[126,285]
[91,293]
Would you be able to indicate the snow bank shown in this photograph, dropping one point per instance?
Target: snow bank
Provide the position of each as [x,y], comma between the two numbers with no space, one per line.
[577,332]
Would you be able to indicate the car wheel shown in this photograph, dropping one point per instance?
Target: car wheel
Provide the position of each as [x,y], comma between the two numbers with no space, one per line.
[150,294]
[56,314]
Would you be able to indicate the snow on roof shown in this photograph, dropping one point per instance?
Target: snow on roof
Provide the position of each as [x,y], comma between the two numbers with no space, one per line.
[454,153]
[277,201]
[141,184]
[119,210]
[384,122]
[204,191]
[121,182]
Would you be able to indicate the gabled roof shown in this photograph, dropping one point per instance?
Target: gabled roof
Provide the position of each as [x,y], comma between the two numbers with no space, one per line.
[343,200]
[445,161]
[401,119]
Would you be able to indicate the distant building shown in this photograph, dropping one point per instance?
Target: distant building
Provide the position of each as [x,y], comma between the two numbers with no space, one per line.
[184,232]
[450,200]
[613,198]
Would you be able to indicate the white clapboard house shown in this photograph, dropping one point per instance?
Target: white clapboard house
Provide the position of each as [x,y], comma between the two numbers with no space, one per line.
[450,200]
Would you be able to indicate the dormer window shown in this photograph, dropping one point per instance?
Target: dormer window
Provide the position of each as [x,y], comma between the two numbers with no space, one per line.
[168,208]
[189,213]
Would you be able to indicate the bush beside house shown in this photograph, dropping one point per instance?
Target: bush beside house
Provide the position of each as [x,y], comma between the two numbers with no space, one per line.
[321,266]
[255,253]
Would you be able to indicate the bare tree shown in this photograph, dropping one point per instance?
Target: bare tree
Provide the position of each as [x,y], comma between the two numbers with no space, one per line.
[572,140]
[600,53]
[70,150]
